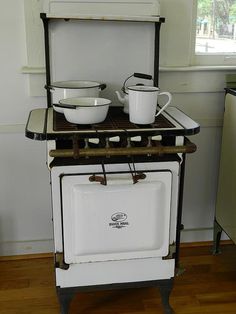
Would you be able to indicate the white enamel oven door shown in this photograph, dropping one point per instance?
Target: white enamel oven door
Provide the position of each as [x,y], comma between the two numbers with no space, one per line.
[120,220]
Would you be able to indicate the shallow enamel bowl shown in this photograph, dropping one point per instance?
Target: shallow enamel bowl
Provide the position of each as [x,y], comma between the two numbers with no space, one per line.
[85,110]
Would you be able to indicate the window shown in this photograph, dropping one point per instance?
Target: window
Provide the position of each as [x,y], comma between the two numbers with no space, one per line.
[215,39]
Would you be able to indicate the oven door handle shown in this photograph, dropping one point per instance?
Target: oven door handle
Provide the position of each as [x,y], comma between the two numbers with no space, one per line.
[138,176]
[100,179]
[96,178]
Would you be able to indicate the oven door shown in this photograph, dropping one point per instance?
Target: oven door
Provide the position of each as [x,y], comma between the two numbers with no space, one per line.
[120,220]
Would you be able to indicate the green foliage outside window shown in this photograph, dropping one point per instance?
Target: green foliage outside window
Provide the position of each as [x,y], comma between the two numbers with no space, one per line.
[220,14]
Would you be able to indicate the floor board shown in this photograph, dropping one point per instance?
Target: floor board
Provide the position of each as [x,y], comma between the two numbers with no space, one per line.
[208,285]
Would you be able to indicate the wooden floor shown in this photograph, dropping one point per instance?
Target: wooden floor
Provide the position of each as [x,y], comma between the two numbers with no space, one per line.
[208,285]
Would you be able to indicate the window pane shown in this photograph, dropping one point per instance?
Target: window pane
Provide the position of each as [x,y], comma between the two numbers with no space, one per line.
[216,27]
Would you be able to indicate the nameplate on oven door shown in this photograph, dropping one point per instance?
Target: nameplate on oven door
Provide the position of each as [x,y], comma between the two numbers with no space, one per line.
[119,220]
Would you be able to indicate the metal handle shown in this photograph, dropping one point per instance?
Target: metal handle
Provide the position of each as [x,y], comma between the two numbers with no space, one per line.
[138,176]
[64,106]
[139,75]
[188,148]
[143,76]
[167,104]
[102,86]
[96,178]
[49,87]
[99,179]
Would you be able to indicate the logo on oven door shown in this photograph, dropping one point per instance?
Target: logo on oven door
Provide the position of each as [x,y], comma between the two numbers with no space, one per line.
[119,220]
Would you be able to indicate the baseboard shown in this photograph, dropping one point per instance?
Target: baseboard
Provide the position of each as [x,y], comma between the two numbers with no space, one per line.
[50,254]
[193,235]
[31,247]
[26,257]
[204,243]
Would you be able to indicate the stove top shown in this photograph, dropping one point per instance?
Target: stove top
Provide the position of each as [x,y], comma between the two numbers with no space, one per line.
[46,124]
[116,120]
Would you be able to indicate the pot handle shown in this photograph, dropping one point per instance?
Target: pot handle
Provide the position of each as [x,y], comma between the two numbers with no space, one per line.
[167,104]
[102,86]
[49,87]
[64,106]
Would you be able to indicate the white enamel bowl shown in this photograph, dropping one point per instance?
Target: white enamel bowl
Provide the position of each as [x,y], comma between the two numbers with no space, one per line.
[85,110]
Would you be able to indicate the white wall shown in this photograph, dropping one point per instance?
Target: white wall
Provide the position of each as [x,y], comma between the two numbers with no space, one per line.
[199,92]
[25,205]
[25,214]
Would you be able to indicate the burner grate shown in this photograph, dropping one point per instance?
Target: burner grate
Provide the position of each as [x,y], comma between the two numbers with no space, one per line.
[116,120]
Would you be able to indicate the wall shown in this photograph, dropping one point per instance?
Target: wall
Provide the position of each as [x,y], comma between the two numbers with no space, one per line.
[25,205]
[25,214]
[199,92]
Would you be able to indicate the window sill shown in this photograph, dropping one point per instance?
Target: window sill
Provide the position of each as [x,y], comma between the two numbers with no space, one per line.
[198,68]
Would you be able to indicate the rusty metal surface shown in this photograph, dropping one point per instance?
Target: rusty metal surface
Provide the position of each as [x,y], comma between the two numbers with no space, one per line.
[124,151]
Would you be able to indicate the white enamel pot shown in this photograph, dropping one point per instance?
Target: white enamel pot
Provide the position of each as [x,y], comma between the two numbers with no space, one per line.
[69,89]
[84,110]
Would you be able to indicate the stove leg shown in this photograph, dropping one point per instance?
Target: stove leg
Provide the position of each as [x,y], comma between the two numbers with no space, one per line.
[165,288]
[65,296]
[217,235]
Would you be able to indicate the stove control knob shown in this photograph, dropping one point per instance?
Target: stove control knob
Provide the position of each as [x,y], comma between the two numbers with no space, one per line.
[94,140]
[136,139]
[114,139]
[157,138]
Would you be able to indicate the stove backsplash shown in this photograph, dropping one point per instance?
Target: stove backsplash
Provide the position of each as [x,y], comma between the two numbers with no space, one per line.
[81,53]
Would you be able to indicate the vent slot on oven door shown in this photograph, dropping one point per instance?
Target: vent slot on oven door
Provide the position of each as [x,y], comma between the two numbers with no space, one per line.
[120,220]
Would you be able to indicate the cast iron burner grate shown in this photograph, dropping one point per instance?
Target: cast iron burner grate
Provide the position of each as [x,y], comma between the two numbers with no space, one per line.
[116,119]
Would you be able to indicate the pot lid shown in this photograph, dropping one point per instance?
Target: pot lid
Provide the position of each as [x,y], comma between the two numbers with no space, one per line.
[143,88]
[75,84]
[83,102]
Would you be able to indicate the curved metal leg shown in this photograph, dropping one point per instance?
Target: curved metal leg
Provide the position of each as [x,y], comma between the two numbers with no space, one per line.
[165,291]
[65,296]
[217,235]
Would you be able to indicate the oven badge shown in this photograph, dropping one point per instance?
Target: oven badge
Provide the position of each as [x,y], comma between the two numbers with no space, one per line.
[119,221]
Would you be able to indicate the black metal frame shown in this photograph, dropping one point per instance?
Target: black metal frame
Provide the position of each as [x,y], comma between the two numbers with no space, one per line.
[65,295]
[47,56]
[217,232]
[46,21]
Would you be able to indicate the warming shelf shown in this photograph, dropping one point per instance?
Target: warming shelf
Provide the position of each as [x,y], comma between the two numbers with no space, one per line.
[132,10]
